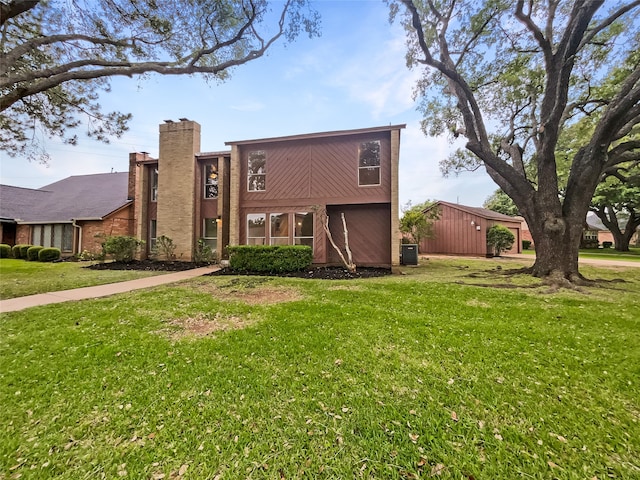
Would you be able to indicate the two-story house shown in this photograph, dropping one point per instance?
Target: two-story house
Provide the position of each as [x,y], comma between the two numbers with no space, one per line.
[271,191]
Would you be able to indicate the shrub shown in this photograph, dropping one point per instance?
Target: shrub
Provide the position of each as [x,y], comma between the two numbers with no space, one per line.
[32,253]
[49,254]
[269,258]
[500,239]
[526,244]
[607,244]
[15,251]
[5,251]
[123,248]
[164,247]
[203,253]
[589,243]
[23,251]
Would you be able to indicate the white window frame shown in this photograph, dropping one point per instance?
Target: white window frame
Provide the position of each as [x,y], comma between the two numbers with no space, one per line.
[208,181]
[273,240]
[153,184]
[252,185]
[264,237]
[362,168]
[212,242]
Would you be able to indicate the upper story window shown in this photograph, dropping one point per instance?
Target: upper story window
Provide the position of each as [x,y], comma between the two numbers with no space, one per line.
[369,163]
[256,171]
[210,181]
[154,184]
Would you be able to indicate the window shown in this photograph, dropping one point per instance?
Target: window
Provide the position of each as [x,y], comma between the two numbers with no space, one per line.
[256,171]
[256,223]
[58,235]
[210,181]
[279,233]
[153,224]
[154,184]
[369,163]
[210,233]
[304,229]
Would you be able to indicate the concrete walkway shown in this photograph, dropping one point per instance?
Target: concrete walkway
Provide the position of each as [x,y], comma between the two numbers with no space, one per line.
[20,303]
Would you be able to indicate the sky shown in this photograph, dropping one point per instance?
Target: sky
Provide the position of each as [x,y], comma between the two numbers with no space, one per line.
[353,76]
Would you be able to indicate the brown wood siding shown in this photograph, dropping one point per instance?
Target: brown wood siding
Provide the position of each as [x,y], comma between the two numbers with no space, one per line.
[316,171]
[455,234]
[369,228]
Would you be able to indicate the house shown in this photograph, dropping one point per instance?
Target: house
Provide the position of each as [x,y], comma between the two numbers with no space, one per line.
[462,230]
[69,214]
[268,191]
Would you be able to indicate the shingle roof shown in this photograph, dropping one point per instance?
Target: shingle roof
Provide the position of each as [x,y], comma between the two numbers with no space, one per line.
[480,212]
[76,197]
[17,202]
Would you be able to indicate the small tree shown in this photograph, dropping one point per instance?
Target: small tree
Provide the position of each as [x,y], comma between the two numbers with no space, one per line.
[417,221]
[500,239]
[164,248]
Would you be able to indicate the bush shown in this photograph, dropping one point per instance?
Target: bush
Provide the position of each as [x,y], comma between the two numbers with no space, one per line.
[15,251]
[500,239]
[607,244]
[589,243]
[23,251]
[164,247]
[526,244]
[122,247]
[5,251]
[269,258]
[204,253]
[32,253]
[49,254]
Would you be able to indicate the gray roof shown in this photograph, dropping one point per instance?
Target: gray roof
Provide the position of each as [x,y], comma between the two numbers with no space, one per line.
[77,197]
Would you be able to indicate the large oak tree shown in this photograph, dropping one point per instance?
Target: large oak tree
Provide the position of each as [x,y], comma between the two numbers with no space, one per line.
[509,76]
[56,56]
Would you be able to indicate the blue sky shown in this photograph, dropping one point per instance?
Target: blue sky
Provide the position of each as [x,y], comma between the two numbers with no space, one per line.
[353,76]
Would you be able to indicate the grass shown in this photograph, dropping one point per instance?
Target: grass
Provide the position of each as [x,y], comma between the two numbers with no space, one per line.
[19,277]
[409,376]
[633,255]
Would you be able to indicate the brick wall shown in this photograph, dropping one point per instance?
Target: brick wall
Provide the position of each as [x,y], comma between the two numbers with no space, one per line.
[23,235]
[93,233]
[179,143]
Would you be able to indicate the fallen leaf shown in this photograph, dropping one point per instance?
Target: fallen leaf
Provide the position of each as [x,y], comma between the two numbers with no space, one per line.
[480,424]
[183,469]
[552,465]
[338,362]
[437,469]
[454,416]
[498,436]
[414,437]
[451,381]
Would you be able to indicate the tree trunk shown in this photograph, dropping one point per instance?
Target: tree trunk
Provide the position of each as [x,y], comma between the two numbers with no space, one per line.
[557,243]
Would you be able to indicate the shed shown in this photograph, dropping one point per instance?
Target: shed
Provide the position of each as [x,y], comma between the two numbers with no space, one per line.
[462,230]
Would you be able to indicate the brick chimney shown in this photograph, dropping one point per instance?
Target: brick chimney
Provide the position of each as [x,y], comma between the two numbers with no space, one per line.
[179,143]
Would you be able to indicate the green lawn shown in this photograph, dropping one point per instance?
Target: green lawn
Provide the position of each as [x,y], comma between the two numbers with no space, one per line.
[408,376]
[633,255]
[19,277]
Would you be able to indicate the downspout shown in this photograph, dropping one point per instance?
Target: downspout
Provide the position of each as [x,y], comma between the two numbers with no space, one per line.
[79,227]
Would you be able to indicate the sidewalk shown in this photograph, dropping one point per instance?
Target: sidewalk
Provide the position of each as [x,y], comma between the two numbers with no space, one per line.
[20,303]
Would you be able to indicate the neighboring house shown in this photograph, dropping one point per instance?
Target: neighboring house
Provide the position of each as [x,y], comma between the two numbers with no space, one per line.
[70,214]
[462,230]
[270,192]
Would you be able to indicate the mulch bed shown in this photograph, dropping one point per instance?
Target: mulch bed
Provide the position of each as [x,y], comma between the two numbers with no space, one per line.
[319,273]
[147,265]
[323,273]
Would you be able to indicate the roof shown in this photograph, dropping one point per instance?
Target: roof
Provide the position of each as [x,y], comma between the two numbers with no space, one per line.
[77,197]
[480,212]
[17,202]
[309,136]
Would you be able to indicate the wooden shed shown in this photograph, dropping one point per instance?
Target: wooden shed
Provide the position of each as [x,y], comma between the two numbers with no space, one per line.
[462,230]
